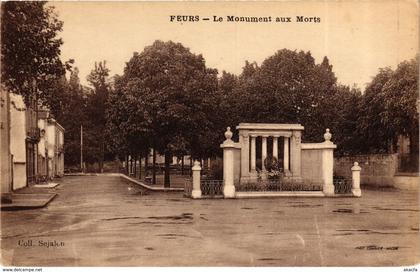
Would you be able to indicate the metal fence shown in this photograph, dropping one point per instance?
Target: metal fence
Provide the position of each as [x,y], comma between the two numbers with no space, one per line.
[214,188]
[276,186]
[342,185]
[211,187]
[188,187]
[408,162]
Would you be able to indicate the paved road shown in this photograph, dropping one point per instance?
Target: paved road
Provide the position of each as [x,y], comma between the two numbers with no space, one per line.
[97,221]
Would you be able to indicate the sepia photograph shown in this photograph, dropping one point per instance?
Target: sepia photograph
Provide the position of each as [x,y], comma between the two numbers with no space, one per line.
[246,134]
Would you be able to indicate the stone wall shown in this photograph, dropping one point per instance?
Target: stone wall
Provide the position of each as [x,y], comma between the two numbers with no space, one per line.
[377,169]
[311,165]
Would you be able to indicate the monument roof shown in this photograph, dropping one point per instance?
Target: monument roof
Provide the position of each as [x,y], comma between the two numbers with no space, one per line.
[269,126]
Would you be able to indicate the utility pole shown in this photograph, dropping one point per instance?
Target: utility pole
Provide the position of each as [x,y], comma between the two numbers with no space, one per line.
[81,147]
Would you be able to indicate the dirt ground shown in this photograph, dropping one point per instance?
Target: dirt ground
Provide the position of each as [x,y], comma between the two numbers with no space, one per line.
[105,221]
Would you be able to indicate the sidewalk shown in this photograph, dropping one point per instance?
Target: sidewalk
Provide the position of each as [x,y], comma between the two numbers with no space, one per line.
[32,197]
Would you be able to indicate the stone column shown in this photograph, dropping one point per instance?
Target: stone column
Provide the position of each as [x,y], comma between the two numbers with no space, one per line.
[263,151]
[328,164]
[196,176]
[275,147]
[286,155]
[253,174]
[295,155]
[355,174]
[228,165]
[244,140]
[253,153]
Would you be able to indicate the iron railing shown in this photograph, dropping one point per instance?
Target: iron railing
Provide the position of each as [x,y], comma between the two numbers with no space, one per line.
[211,187]
[342,185]
[214,188]
[276,186]
[188,187]
[408,162]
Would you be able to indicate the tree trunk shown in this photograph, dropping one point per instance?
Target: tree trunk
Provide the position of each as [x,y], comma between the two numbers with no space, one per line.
[146,164]
[126,164]
[182,165]
[168,157]
[154,167]
[191,164]
[101,159]
[135,166]
[414,140]
[140,167]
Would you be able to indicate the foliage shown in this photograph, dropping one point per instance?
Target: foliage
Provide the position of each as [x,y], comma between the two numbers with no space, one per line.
[373,105]
[390,108]
[30,48]
[272,165]
[216,169]
[68,106]
[289,87]
[401,113]
[348,103]
[171,94]
[96,108]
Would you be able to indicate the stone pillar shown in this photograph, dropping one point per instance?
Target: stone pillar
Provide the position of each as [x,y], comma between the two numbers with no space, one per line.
[253,153]
[253,174]
[286,155]
[228,165]
[196,176]
[244,141]
[328,164]
[263,151]
[295,155]
[275,147]
[355,175]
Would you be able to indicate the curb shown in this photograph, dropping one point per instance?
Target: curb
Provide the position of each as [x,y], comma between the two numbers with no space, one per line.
[148,187]
[278,194]
[14,207]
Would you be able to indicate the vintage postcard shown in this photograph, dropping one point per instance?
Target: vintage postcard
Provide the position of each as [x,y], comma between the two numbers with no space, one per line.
[209,134]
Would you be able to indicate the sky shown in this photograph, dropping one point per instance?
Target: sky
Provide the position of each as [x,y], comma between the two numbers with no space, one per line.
[358,37]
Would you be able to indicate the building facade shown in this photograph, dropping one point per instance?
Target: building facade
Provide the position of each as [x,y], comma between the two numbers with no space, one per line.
[19,143]
[31,143]
[50,147]
[55,136]
[5,155]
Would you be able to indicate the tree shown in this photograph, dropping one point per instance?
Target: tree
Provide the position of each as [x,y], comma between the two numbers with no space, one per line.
[348,106]
[171,92]
[96,113]
[124,135]
[401,102]
[377,135]
[390,107]
[68,106]
[289,87]
[30,48]
[229,96]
